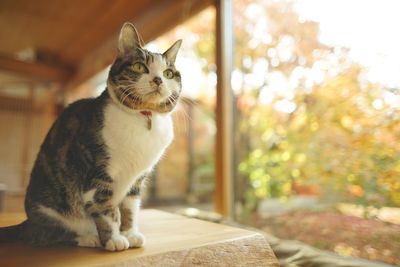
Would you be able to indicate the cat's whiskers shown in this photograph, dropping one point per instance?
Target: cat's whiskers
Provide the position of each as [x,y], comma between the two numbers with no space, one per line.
[182,115]
[130,94]
[186,114]
[188,101]
[191,102]
[124,94]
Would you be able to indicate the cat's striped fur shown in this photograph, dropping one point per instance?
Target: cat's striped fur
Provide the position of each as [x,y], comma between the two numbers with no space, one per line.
[85,184]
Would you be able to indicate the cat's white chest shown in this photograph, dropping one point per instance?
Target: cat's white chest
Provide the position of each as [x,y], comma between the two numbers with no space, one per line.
[133,148]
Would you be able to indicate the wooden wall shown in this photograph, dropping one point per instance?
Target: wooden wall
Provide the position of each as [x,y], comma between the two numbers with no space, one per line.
[24,122]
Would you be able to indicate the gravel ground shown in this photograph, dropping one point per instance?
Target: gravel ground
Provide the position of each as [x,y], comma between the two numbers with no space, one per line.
[346,235]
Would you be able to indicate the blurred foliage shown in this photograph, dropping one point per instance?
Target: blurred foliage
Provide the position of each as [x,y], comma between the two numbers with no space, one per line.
[307,119]
[312,124]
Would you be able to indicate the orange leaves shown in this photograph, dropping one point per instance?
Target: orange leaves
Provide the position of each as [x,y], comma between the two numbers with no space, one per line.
[355,190]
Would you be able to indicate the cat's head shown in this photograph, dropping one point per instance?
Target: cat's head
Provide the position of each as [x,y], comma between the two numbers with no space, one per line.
[143,80]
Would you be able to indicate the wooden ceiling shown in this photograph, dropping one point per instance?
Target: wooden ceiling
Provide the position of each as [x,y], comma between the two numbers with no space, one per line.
[74,39]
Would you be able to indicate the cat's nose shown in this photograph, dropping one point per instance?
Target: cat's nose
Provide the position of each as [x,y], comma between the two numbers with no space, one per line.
[157,80]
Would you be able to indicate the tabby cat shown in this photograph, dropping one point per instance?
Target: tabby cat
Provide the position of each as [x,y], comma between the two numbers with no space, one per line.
[86,181]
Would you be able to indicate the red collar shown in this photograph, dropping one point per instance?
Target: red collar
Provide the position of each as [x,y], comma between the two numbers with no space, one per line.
[146,113]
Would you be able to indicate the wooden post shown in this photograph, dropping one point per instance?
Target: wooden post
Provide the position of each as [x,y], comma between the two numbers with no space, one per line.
[224,198]
[27,138]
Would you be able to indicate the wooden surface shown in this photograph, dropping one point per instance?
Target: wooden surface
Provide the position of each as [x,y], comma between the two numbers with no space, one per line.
[172,240]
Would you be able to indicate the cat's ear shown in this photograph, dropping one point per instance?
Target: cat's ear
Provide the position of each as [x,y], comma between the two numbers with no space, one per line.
[129,39]
[171,53]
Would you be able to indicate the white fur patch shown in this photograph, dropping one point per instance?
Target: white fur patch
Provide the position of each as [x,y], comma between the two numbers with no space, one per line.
[88,196]
[135,213]
[135,239]
[132,147]
[81,226]
[117,243]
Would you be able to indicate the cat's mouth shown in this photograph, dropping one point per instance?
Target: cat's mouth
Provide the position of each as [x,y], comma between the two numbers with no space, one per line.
[156,92]
[155,100]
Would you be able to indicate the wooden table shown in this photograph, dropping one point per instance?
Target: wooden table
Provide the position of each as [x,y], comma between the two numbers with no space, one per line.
[172,240]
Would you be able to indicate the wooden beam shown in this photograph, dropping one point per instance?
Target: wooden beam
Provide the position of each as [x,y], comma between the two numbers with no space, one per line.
[23,105]
[163,16]
[38,71]
[224,198]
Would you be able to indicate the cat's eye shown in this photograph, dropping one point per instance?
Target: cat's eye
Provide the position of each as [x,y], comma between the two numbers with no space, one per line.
[139,67]
[169,74]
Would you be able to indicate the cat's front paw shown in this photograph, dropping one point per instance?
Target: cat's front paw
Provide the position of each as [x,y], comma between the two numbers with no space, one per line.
[117,243]
[136,239]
